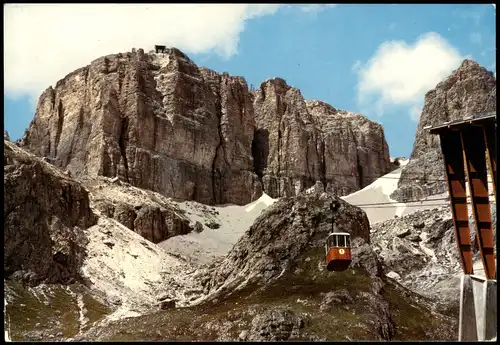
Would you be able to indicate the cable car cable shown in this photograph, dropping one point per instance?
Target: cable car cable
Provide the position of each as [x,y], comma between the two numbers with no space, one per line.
[411,201]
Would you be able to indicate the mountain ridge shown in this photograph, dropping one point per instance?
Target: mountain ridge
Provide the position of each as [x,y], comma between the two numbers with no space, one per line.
[202,131]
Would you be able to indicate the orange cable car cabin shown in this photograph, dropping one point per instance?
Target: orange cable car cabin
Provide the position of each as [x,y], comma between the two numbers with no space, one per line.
[338,251]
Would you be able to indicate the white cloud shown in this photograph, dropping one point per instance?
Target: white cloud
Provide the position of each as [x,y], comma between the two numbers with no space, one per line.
[476,38]
[399,74]
[43,43]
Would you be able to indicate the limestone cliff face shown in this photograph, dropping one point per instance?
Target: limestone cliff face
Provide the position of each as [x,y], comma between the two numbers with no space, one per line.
[469,90]
[157,121]
[161,123]
[299,142]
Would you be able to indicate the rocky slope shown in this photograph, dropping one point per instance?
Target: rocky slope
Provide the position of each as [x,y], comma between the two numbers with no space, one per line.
[419,251]
[150,214]
[469,90]
[287,229]
[58,241]
[273,286]
[161,123]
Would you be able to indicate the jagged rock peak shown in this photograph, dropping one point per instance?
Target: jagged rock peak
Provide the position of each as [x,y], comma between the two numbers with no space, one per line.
[312,103]
[467,63]
[467,69]
[310,141]
[155,120]
[469,90]
[276,81]
[160,122]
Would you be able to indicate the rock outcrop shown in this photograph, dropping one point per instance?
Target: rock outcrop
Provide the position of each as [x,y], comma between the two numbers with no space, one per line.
[274,325]
[147,213]
[45,213]
[299,142]
[161,123]
[419,251]
[280,262]
[282,233]
[469,90]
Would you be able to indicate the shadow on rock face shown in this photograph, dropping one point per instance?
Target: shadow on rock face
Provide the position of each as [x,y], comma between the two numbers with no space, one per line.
[45,214]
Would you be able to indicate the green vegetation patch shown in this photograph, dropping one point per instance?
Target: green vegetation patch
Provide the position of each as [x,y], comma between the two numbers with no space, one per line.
[49,312]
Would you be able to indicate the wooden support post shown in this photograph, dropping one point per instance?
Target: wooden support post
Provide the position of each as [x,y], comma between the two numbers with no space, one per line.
[451,146]
[474,148]
[491,151]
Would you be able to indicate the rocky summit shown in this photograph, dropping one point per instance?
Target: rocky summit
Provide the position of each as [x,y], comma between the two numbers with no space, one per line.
[469,90]
[152,199]
[159,122]
[299,142]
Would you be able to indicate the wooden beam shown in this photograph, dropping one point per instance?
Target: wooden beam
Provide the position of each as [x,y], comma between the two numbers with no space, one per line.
[474,148]
[491,152]
[478,120]
[451,145]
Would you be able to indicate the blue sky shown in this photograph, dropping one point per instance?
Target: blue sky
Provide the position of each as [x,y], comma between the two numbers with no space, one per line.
[378,60]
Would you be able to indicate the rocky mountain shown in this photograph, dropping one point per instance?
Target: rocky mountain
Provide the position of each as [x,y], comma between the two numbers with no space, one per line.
[273,286]
[469,90]
[105,215]
[100,277]
[299,142]
[159,122]
[156,121]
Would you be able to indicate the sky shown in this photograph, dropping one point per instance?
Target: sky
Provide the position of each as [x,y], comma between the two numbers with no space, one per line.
[376,60]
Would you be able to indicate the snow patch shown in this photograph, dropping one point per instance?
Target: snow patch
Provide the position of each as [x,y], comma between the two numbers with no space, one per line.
[425,249]
[7,325]
[379,192]
[393,275]
[375,199]
[81,312]
[204,247]
[33,292]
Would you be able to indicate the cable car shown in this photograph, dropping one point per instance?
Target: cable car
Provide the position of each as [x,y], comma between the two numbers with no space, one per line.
[338,251]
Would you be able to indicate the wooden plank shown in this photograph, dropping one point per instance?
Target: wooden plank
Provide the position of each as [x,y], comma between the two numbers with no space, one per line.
[474,147]
[451,146]
[459,124]
[491,152]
